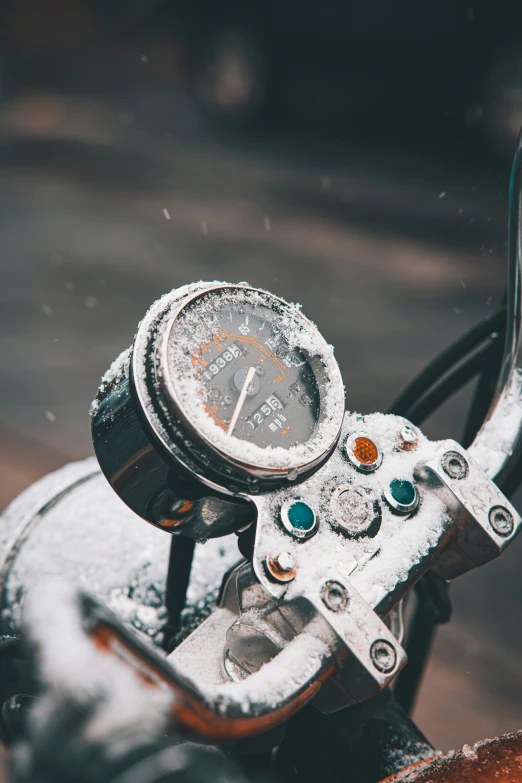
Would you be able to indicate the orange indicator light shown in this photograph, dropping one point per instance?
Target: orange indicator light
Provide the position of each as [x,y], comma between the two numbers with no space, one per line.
[365,450]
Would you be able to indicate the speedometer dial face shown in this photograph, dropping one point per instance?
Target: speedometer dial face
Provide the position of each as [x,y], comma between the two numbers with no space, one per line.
[247,362]
[249,369]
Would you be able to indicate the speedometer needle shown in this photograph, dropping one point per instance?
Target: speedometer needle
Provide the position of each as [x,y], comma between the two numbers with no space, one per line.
[235,416]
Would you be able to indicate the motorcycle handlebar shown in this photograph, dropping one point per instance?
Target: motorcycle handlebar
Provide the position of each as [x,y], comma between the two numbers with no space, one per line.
[498,441]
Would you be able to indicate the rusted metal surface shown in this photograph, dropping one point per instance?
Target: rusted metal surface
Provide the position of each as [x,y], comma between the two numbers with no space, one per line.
[498,760]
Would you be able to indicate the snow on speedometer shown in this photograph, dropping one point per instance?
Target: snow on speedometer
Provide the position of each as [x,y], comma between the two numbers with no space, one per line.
[253,376]
[227,382]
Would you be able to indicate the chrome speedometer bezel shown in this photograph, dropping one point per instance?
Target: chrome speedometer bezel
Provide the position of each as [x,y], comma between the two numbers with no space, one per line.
[219,466]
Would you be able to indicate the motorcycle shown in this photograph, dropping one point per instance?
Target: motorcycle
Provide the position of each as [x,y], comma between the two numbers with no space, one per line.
[269,640]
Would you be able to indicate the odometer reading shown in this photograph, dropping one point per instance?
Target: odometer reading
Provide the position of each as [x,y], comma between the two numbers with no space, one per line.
[233,352]
[271,404]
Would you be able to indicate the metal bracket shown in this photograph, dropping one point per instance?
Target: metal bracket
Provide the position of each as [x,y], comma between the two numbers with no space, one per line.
[336,571]
[486,522]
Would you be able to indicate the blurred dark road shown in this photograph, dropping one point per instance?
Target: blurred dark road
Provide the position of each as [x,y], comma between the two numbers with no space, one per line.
[393,252]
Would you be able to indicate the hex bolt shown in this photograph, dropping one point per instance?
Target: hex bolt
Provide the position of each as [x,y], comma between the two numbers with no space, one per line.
[334,596]
[409,438]
[383,655]
[286,561]
[282,567]
[454,465]
[501,520]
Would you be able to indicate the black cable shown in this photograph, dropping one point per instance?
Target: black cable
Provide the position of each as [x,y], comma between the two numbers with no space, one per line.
[178,577]
[432,608]
[483,394]
[443,363]
[451,384]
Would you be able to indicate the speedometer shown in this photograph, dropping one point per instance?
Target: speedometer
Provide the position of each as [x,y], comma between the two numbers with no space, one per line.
[228,384]
[255,385]
[238,356]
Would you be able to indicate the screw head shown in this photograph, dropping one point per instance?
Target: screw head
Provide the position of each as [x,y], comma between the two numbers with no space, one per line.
[335,596]
[286,561]
[383,655]
[282,567]
[501,520]
[454,465]
[239,378]
[408,438]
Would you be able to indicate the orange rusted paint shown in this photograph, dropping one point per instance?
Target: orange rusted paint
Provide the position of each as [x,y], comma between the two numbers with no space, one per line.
[187,712]
[276,571]
[197,719]
[490,761]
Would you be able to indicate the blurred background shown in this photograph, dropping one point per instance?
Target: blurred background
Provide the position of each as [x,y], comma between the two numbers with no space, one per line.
[352,156]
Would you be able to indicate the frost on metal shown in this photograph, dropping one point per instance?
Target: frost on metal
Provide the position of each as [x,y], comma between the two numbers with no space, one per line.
[275,683]
[72,525]
[377,566]
[74,670]
[193,325]
[495,443]
[114,375]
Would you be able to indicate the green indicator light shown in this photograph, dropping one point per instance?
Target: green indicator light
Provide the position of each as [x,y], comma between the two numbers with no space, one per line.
[403,492]
[301,516]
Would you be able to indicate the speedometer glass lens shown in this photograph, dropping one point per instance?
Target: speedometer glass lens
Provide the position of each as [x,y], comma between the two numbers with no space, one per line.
[241,357]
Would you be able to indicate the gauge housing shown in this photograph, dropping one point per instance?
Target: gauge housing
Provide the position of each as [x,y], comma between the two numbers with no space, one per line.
[149,438]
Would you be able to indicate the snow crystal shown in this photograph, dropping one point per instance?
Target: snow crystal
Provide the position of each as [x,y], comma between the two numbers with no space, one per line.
[91,302]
